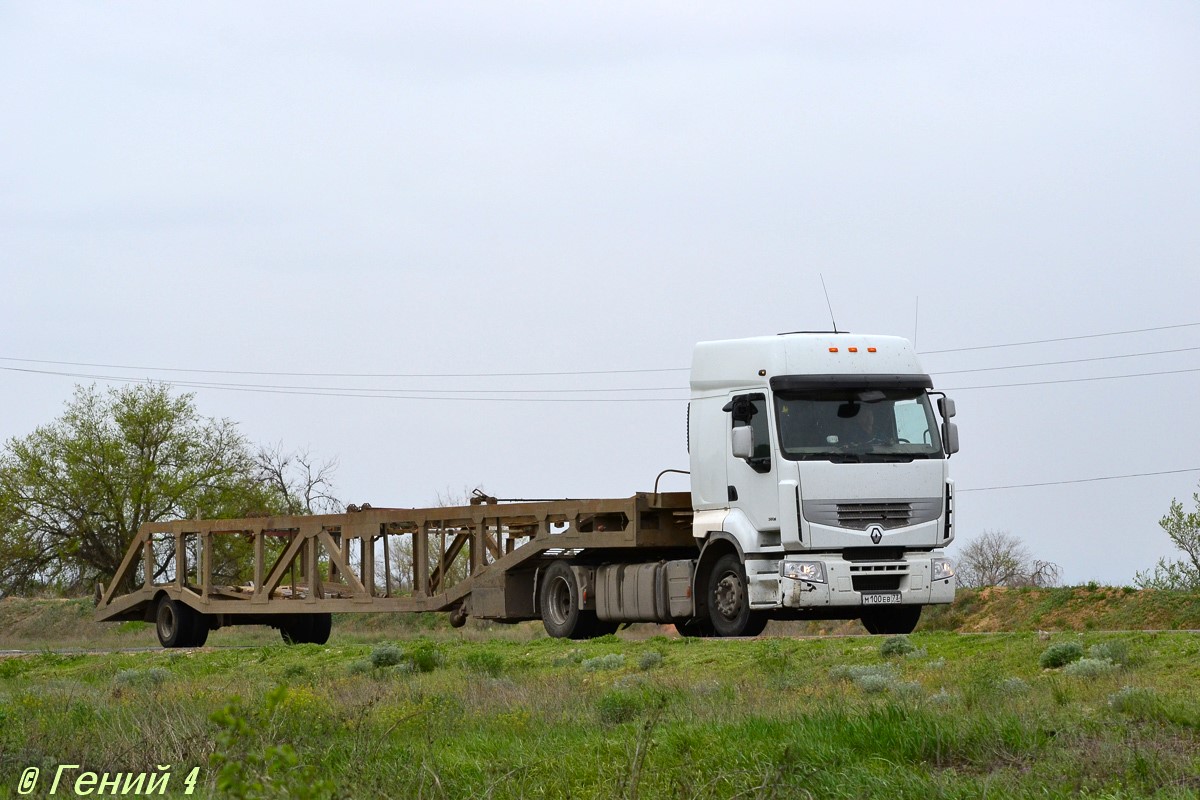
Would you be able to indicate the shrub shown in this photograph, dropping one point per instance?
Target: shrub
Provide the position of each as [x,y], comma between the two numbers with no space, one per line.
[874,684]
[651,659]
[872,679]
[622,704]
[608,662]
[1060,654]
[1089,668]
[425,656]
[1115,651]
[386,655]
[896,646]
[147,678]
[360,667]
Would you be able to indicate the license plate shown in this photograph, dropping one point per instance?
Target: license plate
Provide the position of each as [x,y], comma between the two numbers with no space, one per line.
[881,599]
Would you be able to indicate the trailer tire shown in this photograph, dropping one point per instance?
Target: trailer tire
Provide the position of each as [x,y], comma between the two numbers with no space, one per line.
[892,621]
[306,628]
[177,625]
[200,631]
[728,600]
[559,605]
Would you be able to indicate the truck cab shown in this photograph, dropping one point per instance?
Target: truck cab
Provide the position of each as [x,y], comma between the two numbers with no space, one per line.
[820,483]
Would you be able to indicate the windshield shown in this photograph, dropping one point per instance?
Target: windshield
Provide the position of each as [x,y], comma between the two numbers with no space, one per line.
[846,424]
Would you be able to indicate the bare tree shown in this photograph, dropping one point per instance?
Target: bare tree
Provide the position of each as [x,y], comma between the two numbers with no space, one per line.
[998,558]
[302,484]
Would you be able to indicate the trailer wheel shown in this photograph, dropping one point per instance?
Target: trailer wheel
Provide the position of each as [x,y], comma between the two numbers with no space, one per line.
[559,598]
[729,600]
[892,621]
[177,625]
[306,628]
[200,630]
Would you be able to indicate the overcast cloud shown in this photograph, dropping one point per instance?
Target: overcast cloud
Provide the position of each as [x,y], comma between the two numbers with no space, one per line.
[547,187]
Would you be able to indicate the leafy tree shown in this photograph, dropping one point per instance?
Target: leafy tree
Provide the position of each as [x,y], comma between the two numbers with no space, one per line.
[73,493]
[1184,532]
[998,558]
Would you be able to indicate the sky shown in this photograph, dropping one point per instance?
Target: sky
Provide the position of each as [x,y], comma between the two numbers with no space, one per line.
[586,190]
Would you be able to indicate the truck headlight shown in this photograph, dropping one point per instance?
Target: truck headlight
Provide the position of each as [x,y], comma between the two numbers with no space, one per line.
[942,569]
[811,571]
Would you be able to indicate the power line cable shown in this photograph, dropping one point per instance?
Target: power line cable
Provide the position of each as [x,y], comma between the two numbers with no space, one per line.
[1060,339]
[347,374]
[342,392]
[1079,480]
[1072,380]
[550,373]
[1066,361]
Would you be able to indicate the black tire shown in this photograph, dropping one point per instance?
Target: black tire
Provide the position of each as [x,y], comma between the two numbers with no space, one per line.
[558,602]
[756,625]
[892,621]
[200,631]
[177,625]
[306,628]
[695,628]
[320,626]
[728,600]
[603,627]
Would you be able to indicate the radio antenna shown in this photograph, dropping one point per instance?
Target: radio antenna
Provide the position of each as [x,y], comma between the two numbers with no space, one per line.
[916,319]
[828,304]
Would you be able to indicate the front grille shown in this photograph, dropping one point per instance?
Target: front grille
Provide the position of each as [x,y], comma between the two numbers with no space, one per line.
[861,514]
[876,583]
[879,577]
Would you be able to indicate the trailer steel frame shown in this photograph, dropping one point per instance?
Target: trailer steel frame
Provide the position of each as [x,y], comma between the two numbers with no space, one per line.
[479,560]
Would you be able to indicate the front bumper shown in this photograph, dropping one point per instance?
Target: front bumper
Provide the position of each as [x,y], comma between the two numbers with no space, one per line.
[847,583]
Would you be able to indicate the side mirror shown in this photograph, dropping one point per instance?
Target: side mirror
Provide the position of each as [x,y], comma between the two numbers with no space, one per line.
[743,442]
[950,438]
[945,407]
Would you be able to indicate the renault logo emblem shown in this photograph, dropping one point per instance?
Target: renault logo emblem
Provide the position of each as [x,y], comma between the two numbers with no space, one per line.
[876,534]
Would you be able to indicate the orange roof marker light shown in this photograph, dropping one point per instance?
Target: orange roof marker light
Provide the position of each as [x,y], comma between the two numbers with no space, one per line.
[853,349]
[833,349]
[872,349]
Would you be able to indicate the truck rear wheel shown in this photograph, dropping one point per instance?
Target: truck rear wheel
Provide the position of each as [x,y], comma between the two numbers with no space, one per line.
[892,621]
[728,600]
[559,605]
[694,628]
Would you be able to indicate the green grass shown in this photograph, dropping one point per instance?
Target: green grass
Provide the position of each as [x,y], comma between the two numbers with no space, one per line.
[455,715]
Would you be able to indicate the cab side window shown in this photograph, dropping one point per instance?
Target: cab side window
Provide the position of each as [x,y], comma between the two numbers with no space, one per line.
[751,410]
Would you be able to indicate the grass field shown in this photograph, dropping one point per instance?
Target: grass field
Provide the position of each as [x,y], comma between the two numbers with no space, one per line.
[468,714]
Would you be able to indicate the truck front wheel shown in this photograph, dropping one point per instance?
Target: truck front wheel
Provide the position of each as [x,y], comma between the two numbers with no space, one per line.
[892,621]
[728,599]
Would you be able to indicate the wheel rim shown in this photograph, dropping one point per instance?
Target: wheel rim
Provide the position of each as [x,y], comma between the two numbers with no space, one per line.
[166,621]
[729,595]
[558,598]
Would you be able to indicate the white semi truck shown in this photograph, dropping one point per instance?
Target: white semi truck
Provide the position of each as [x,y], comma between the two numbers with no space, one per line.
[819,490]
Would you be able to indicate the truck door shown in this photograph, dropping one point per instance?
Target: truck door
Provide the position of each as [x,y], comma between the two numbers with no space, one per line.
[753,481]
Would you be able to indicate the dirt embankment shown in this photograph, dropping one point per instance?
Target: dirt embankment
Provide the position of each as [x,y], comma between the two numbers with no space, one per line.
[29,623]
[1070,608]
